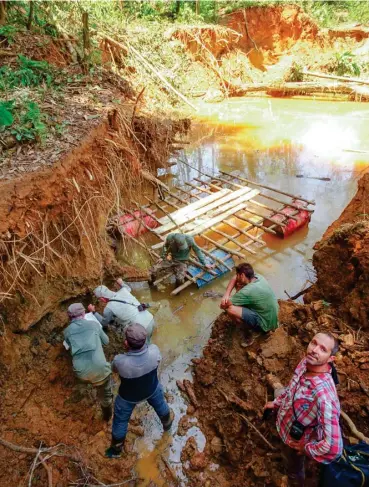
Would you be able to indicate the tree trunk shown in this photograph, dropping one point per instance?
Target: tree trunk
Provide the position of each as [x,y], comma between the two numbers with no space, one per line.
[197,5]
[30,15]
[2,12]
[86,43]
[178,7]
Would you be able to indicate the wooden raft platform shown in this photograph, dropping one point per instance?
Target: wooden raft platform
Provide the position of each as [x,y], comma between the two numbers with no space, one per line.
[226,214]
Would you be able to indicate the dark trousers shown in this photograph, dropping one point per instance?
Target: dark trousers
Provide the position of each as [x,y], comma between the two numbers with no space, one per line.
[123,410]
[294,465]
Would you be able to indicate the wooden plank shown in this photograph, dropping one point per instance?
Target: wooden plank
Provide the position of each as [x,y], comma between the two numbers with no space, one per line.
[197,206]
[188,227]
[187,214]
[214,221]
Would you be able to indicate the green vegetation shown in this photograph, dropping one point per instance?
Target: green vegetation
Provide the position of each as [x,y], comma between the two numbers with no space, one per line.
[24,120]
[345,64]
[329,13]
[27,73]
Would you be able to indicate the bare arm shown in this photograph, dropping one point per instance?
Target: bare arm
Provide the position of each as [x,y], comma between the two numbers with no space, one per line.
[225,300]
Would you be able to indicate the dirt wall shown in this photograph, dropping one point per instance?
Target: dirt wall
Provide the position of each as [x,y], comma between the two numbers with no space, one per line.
[53,240]
[341,261]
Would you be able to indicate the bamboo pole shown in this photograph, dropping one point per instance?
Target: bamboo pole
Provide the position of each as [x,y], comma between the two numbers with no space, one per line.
[284,203]
[176,197]
[238,186]
[188,193]
[222,247]
[258,225]
[269,208]
[244,232]
[211,185]
[203,190]
[151,68]
[268,187]
[233,239]
[339,78]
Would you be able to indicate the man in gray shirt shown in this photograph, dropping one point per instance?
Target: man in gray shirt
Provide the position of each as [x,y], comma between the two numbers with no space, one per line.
[85,338]
[138,373]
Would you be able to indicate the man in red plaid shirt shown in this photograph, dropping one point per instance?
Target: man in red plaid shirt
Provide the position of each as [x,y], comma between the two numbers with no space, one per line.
[309,410]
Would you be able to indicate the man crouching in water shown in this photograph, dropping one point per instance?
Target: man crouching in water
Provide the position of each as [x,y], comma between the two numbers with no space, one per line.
[138,371]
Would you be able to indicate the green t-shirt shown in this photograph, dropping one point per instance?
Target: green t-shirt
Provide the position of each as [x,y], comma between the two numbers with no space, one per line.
[259,297]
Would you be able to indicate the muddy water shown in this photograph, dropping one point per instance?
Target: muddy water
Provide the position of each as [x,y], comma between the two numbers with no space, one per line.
[268,141]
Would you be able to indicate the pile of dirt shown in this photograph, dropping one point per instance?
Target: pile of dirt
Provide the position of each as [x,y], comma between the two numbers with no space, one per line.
[341,262]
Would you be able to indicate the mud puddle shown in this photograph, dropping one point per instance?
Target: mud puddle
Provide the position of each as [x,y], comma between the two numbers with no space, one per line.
[273,142]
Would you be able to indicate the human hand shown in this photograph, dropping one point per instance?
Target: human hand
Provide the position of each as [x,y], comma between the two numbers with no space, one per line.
[225,303]
[298,446]
[120,282]
[269,405]
[91,308]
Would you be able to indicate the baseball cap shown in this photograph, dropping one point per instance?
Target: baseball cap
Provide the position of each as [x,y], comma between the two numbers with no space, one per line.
[136,335]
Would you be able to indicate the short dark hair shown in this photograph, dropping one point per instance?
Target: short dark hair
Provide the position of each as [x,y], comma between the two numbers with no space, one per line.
[336,344]
[246,269]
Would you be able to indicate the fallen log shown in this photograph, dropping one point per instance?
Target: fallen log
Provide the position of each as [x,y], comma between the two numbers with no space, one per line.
[305,88]
[339,78]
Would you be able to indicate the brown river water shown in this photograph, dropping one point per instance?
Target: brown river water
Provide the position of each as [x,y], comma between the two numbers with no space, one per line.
[269,141]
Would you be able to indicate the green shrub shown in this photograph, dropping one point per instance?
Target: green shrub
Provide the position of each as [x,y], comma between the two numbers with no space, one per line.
[29,73]
[345,64]
[8,31]
[23,119]
[6,117]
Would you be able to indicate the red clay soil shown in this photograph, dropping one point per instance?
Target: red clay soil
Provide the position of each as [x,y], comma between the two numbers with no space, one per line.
[53,239]
[42,403]
[228,373]
[272,30]
[341,261]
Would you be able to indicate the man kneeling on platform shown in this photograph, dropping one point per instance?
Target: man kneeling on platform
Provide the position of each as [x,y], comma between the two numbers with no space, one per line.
[178,246]
[254,303]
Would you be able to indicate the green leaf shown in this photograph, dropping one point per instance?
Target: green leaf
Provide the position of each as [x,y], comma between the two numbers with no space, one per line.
[6,117]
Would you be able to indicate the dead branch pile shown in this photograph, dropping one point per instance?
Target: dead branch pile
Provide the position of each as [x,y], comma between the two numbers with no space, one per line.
[61,244]
[44,456]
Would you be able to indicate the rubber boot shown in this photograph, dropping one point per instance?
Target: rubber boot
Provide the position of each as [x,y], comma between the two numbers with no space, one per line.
[115,450]
[107,412]
[167,420]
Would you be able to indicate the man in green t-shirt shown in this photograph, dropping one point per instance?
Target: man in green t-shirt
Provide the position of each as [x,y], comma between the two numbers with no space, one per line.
[254,302]
[178,246]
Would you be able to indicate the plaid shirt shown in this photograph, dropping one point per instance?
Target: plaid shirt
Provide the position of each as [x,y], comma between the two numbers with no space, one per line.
[317,408]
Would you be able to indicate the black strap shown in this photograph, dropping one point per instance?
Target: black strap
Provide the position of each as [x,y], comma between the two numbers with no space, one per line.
[124,302]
